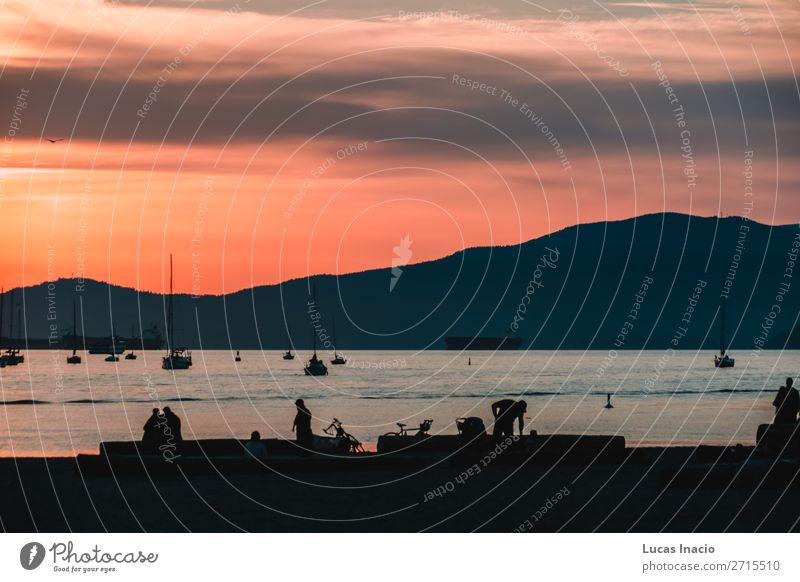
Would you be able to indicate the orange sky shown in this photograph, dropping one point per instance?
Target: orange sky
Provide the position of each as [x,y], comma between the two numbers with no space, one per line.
[273,146]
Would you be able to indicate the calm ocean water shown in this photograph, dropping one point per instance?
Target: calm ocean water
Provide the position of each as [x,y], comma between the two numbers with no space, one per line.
[50,408]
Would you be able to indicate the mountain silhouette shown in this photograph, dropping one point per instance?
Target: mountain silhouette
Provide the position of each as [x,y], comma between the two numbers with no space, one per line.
[583,295]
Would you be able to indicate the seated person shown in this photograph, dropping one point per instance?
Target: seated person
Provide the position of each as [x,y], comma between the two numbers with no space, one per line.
[255,446]
[152,431]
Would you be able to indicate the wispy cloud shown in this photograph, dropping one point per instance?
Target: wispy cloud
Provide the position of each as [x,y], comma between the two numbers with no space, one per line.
[153,97]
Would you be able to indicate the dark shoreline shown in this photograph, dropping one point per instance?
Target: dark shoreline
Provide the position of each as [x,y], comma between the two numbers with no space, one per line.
[49,495]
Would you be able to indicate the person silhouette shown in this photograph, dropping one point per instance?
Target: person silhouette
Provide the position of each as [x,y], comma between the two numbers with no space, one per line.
[786,403]
[302,425]
[152,432]
[174,424]
[608,401]
[255,446]
[505,412]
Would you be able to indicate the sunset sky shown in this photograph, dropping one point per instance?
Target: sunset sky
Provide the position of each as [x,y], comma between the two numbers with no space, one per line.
[260,141]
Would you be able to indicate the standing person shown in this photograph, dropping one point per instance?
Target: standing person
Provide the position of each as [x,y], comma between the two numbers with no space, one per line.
[174,424]
[505,412]
[152,433]
[786,403]
[302,425]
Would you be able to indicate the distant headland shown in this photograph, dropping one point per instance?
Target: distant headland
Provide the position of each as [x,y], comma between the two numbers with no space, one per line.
[653,281]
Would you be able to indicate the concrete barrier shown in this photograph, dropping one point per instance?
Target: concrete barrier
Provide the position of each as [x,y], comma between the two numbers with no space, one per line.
[780,439]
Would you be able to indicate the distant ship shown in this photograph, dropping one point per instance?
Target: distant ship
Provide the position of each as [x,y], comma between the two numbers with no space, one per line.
[107,345]
[482,343]
[151,339]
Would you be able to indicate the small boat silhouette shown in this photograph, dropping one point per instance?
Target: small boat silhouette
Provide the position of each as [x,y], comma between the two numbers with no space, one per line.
[337,359]
[12,357]
[316,367]
[723,360]
[74,358]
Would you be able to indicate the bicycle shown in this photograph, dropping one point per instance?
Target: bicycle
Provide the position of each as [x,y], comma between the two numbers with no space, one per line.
[403,429]
[336,430]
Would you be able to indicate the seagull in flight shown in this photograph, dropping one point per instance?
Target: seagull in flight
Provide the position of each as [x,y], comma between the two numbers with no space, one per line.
[54,140]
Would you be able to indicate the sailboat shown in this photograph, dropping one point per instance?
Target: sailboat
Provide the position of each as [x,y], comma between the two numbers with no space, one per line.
[723,360]
[131,355]
[11,356]
[74,358]
[176,359]
[337,359]
[315,366]
[2,296]
[288,355]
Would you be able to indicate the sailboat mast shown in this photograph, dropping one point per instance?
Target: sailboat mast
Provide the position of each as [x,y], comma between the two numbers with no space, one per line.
[313,328]
[169,321]
[2,297]
[74,329]
[11,320]
[722,327]
[334,338]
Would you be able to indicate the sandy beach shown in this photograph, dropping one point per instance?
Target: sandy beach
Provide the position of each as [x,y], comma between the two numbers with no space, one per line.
[49,495]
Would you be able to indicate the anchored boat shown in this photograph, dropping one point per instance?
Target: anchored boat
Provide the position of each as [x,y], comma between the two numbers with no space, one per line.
[337,360]
[74,358]
[12,356]
[723,360]
[315,366]
[176,358]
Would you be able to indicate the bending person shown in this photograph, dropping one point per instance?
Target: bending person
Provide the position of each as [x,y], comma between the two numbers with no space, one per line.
[505,412]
